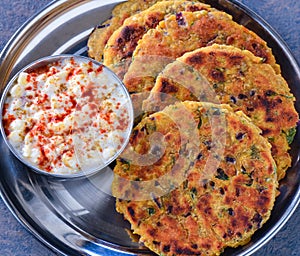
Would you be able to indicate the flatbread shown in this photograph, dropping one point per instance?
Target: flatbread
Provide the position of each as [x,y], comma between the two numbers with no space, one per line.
[195,195]
[121,45]
[184,32]
[100,35]
[226,74]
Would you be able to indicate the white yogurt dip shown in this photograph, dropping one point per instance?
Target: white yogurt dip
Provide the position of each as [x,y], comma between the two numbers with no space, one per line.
[67,117]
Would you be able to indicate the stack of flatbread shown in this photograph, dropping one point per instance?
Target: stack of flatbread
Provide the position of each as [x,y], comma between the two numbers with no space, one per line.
[216,119]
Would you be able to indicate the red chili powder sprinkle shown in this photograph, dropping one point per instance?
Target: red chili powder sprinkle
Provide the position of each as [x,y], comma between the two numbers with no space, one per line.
[100,69]
[7,121]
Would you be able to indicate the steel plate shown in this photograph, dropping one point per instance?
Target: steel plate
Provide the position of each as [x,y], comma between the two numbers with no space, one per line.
[77,217]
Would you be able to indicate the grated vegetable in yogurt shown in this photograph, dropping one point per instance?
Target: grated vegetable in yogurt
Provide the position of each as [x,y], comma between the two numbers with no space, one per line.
[67,117]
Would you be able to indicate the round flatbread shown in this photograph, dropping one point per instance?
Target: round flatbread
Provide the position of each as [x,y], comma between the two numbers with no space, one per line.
[184,32]
[121,45]
[100,35]
[195,179]
[226,74]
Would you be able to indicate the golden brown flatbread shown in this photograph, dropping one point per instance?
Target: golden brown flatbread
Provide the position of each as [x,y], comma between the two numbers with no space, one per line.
[226,74]
[195,179]
[100,35]
[184,32]
[121,45]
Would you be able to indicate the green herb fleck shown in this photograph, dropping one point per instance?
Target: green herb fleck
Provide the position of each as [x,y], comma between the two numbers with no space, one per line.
[151,211]
[150,127]
[287,96]
[173,159]
[243,170]
[185,184]
[125,165]
[199,123]
[193,193]
[221,175]
[290,134]
[254,152]
[249,183]
[270,93]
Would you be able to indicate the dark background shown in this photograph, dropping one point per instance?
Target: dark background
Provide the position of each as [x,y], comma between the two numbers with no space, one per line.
[282,15]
